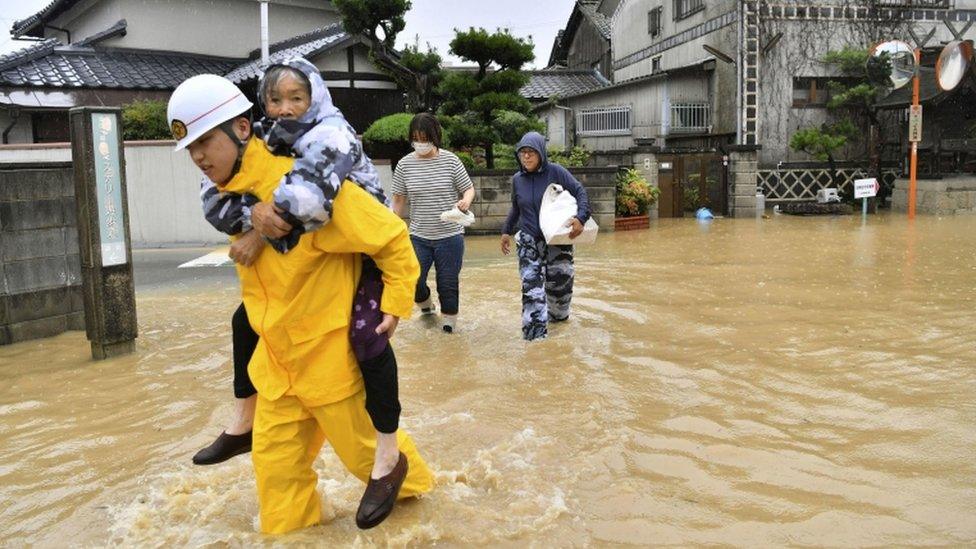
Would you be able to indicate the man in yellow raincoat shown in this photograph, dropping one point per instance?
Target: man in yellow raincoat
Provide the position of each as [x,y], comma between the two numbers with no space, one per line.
[309,384]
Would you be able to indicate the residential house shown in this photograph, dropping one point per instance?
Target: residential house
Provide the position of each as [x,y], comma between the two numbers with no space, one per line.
[707,75]
[111,52]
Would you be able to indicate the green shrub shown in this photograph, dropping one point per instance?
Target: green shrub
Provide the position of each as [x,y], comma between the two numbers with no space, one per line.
[389,129]
[466,159]
[145,121]
[634,194]
[577,157]
[690,200]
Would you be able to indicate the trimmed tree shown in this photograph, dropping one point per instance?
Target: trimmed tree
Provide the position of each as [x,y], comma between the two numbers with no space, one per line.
[484,107]
[851,104]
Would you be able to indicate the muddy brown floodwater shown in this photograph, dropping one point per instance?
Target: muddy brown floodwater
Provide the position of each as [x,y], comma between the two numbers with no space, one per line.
[791,381]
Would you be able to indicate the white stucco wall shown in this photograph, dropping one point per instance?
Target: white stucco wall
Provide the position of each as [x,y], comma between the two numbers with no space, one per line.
[163,187]
[223,28]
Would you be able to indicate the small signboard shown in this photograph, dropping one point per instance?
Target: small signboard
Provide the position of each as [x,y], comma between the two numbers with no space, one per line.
[866,188]
[915,123]
[108,192]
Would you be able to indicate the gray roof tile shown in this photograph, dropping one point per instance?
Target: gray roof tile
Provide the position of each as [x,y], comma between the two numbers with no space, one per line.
[306,45]
[561,83]
[601,22]
[47,64]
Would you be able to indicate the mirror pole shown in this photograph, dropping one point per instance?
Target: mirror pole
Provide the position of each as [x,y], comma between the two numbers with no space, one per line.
[913,166]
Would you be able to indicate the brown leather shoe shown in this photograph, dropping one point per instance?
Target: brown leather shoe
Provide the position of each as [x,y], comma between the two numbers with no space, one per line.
[225,447]
[380,495]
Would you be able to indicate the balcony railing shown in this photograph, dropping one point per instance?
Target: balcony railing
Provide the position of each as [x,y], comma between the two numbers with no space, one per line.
[690,118]
[916,4]
[604,121]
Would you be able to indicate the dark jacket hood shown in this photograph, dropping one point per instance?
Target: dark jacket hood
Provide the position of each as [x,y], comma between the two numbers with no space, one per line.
[535,141]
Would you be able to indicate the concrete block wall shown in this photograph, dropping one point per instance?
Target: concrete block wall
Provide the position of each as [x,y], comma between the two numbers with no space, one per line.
[40,269]
[493,197]
[948,196]
[744,173]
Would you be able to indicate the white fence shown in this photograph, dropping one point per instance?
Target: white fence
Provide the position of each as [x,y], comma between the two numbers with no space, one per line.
[163,186]
[603,121]
[690,118]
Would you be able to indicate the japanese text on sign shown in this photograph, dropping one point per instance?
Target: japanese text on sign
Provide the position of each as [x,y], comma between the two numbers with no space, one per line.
[108,189]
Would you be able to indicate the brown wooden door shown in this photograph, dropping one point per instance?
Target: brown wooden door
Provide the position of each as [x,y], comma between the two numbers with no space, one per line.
[669,182]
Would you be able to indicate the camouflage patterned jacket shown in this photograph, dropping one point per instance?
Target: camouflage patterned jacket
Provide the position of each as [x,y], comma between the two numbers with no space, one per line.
[326,154]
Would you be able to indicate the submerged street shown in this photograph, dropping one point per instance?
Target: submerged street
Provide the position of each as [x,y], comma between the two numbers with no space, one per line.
[804,381]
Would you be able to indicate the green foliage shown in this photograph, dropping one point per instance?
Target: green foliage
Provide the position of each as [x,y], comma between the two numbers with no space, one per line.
[466,159]
[389,129]
[849,60]
[634,194]
[823,142]
[690,200]
[364,16]
[499,48]
[145,120]
[510,126]
[853,98]
[577,157]
[484,107]
[505,157]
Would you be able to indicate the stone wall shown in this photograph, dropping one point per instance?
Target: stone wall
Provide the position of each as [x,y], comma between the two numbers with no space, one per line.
[743,180]
[493,197]
[40,271]
[948,196]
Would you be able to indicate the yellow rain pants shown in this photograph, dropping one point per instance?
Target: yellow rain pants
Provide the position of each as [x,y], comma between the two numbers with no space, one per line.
[287,438]
[309,385]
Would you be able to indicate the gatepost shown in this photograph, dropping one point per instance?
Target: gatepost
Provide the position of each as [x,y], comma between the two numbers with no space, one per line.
[103,230]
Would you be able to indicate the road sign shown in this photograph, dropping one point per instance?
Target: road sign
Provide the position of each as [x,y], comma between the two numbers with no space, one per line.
[915,123]
[866,188]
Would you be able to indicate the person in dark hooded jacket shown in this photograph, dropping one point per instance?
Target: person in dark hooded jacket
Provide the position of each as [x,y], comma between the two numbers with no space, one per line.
[547,272]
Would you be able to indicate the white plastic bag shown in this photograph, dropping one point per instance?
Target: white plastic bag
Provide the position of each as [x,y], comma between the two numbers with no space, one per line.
[555,214]
[455,215]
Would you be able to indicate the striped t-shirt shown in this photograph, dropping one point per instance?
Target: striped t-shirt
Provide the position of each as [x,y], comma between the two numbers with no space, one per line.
[433,186]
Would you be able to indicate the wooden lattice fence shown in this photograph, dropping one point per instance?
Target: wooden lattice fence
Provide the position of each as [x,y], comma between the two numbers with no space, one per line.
[792,184]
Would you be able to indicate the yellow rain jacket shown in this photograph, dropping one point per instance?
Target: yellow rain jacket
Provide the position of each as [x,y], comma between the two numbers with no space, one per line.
[300,303]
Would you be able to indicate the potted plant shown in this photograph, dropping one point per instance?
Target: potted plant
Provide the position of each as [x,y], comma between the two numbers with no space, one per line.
[634,198]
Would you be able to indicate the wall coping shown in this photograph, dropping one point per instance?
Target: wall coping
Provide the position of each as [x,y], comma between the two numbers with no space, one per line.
[45,165]
[511,172]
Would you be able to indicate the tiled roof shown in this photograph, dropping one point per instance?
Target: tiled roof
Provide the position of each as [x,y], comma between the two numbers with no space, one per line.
[561,83]
[306,45]
[48,64]
[589,10]
[902,97]
[52,10]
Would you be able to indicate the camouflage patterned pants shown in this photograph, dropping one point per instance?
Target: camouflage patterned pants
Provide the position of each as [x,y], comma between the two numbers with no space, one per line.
[547,283]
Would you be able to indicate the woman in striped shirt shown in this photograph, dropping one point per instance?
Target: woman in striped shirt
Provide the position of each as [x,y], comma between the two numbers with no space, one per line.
[434,181]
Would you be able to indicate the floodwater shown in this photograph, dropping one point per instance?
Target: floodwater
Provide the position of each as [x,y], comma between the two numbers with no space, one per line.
[790,381]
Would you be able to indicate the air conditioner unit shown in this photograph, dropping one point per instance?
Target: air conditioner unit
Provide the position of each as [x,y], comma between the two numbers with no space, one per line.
[827,195]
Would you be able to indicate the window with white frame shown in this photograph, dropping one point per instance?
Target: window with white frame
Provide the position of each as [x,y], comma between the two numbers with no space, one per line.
[656,64]
[684,8]
[603,121]
[654,21]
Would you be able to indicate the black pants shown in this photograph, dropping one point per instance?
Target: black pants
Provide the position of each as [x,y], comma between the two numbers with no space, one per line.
[379,375]
[245,340]
[382,402]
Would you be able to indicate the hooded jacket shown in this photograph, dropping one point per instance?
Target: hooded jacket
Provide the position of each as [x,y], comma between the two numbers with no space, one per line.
[528,188]
[300,303]
[326,152]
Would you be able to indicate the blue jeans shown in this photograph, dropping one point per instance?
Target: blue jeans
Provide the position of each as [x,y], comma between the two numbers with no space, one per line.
[445,255]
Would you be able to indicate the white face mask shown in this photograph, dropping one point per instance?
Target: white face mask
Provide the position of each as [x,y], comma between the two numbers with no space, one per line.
[422,149]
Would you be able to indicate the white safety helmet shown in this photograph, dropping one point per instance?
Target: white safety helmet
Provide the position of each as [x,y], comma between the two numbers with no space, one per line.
[202,103]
